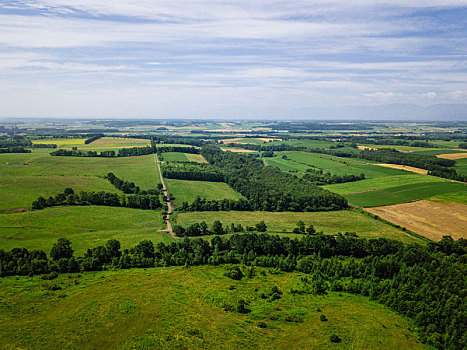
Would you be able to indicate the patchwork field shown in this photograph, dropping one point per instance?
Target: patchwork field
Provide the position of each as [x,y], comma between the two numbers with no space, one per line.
[86,227]
[284,222]
[104,143]
[430,219]
[406,168]
[188,190]
[175,157]
[379,183]
[182,308]
[403,194]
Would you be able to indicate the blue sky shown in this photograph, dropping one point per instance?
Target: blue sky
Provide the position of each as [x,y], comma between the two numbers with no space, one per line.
[227,59]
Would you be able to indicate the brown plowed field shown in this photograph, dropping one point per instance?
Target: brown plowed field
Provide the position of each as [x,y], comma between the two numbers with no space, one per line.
[430,219]
[453,155]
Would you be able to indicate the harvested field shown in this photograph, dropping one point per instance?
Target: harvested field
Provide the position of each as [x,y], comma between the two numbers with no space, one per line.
[365,147]
[195,158]
[430,219]
[238,150]
[406,168]
[453,155]
[267,139]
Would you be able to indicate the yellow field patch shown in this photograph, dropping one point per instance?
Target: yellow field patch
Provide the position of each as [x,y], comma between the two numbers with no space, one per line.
[195,158]
[365,147]
[237,150]
[453,155]
[406,168]
[430,219]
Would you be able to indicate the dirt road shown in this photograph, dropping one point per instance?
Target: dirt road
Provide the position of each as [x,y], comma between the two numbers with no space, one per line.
[170,204]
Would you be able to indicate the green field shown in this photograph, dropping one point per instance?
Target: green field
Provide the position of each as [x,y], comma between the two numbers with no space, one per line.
[458,197]
[284,222]
[403,194]
[175,157]
[26,176]
[86,227]
[305,143]
[188,190]
[104,143]
[381,183]
[285,164]
[182,308]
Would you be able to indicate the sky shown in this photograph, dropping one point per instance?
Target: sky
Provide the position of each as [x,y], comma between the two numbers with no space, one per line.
[227,59]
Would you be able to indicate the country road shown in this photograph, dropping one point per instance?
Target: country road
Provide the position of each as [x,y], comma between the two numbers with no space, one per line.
[170,203]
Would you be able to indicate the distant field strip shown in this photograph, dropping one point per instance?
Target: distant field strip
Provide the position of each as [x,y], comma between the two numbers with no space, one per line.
[430,219]
[380,183]
[188,190]
[406,168]
[175,157]
[403,194]
[453,155]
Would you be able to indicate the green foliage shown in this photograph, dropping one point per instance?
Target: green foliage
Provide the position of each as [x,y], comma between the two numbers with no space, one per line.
[233,272]
[61,249]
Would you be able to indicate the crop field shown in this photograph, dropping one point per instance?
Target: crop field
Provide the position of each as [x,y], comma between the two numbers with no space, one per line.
[285,164]
[198,158]
[62,143]
[403,194]
[188,190]
[182,308]
[455,156]
[86,227]
[305,143]
[330,222]
[402,148]
[428,218]
[380,183]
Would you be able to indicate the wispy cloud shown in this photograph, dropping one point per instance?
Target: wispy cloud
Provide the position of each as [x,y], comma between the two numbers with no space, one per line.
[259,54]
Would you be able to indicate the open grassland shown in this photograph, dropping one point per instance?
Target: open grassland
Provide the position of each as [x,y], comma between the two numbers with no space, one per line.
[330,222]
[182,308]
[43,173]
[305,143]
[458,197]
[461,166]
[174,157]
[379,183]
[403,194]
[285,164]
[86,227]
[188,190]
[428,218]
[402,148]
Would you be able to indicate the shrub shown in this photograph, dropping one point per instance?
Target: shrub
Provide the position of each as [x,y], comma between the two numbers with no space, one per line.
[335,338]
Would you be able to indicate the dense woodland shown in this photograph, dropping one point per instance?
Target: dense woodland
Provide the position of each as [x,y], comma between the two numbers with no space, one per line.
[268,188]
[193,171]
[319,177]
[426,284]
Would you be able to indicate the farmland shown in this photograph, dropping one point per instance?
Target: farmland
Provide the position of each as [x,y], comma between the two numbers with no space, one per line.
[187,190]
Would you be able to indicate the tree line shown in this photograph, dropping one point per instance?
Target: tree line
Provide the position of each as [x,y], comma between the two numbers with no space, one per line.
[15,149]
[128,187]
[69,197]
[183,149]
[93,138]
[217,228]
[425,283]
[192,171]
[122,152]
[319,177]
[268,188]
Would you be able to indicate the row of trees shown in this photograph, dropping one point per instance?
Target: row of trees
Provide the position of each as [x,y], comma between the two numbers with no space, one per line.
[44,145]
[319,177]
[193,171]
[268,188]
[425,283]
[184,149]
[202,204]
[93,138]
[128,187]
[122,152]
[217,228]
[69,197]
[15,149]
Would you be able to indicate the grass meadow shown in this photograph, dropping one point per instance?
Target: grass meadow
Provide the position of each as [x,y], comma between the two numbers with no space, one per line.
[188,190]
[330,222]
[86,227]
[26,176]
[183,308]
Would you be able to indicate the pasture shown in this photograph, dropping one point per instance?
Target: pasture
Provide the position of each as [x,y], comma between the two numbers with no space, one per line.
[86,227]
[26,176]
[330,222]
[380,183]
[188,190]
[183,308]
[174,157]
[403,194]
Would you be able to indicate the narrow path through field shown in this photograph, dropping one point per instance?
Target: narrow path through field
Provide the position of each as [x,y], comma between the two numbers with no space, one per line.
[170,203]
